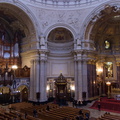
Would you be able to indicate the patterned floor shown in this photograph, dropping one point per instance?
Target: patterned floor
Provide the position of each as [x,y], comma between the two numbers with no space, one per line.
[94,113]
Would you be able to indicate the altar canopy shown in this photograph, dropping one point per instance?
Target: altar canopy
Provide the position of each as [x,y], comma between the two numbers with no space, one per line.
[61,84]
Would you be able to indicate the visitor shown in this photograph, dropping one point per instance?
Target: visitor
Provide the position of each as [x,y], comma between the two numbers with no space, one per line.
[10,107]
[87,116]
[25,115]
[80,112]
[73,103]
[34,113]
[77,117]
[79,103]
[99,106]
[48,108]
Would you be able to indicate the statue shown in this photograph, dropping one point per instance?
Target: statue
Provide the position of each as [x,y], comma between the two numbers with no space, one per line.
[42,41]
[78,42]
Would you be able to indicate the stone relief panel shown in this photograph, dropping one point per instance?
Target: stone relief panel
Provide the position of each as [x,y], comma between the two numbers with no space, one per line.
[49,17]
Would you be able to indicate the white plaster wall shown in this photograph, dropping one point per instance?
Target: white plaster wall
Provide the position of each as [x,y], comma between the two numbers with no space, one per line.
[26,61]
[57,66]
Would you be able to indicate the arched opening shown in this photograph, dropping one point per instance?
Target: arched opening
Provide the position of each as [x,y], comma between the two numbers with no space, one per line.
[17,29]
[23,93]
[105,34]
[14,32]
[60,59]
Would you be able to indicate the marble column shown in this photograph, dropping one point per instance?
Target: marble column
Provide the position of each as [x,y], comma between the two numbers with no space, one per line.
[34,79]
[76,80]
[85,82]
[80,81]
[43,94]
[37,77]
[32,83]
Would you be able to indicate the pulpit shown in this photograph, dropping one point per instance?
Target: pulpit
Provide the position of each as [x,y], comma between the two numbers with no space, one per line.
[61,87]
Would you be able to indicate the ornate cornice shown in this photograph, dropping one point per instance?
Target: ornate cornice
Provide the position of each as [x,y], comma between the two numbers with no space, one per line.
[85,52]
[63,4]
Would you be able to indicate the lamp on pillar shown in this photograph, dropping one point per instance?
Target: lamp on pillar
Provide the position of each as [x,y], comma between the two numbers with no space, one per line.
[108,84]
[14,67]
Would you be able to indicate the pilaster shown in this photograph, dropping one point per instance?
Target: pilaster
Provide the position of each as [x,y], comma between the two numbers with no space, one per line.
[85,82]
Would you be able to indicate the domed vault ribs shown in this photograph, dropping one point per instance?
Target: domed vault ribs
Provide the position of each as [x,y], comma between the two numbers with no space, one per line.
[67,17]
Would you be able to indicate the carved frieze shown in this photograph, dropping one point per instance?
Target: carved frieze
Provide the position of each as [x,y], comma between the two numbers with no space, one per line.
[49,17]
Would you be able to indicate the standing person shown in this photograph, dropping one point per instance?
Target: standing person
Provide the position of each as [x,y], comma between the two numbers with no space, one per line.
[99,106]
[79,103]
[80,112]
[10,107]
[73,103]
[87,116]
[34,113]
[48,108]
[25,115]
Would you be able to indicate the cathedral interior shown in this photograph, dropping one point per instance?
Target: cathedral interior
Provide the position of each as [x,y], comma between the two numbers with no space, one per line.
[50,49]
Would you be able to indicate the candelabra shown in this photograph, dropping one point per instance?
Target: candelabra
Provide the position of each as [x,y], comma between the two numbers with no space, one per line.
[108,84]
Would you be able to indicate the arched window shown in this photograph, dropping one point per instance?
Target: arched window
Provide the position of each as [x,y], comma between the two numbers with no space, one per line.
[6,55]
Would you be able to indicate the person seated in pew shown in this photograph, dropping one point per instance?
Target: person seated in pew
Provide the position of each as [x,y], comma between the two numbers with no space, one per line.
[80,112]
[87,116]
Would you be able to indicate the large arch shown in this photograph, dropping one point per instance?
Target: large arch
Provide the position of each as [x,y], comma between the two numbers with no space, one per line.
[91,19]
[95,28]
[24,16]
[71,29]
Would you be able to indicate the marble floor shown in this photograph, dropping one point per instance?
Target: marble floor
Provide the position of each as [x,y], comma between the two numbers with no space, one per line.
[94,113]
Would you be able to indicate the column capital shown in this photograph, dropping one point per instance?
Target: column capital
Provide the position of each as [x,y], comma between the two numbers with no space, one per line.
[43,51]
[43,60]
[76,52]
[34,61]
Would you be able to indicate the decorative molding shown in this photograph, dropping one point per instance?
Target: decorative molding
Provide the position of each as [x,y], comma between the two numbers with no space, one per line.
[68,17]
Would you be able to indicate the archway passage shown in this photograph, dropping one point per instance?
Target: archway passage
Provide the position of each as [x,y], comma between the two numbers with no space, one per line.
[23,90]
